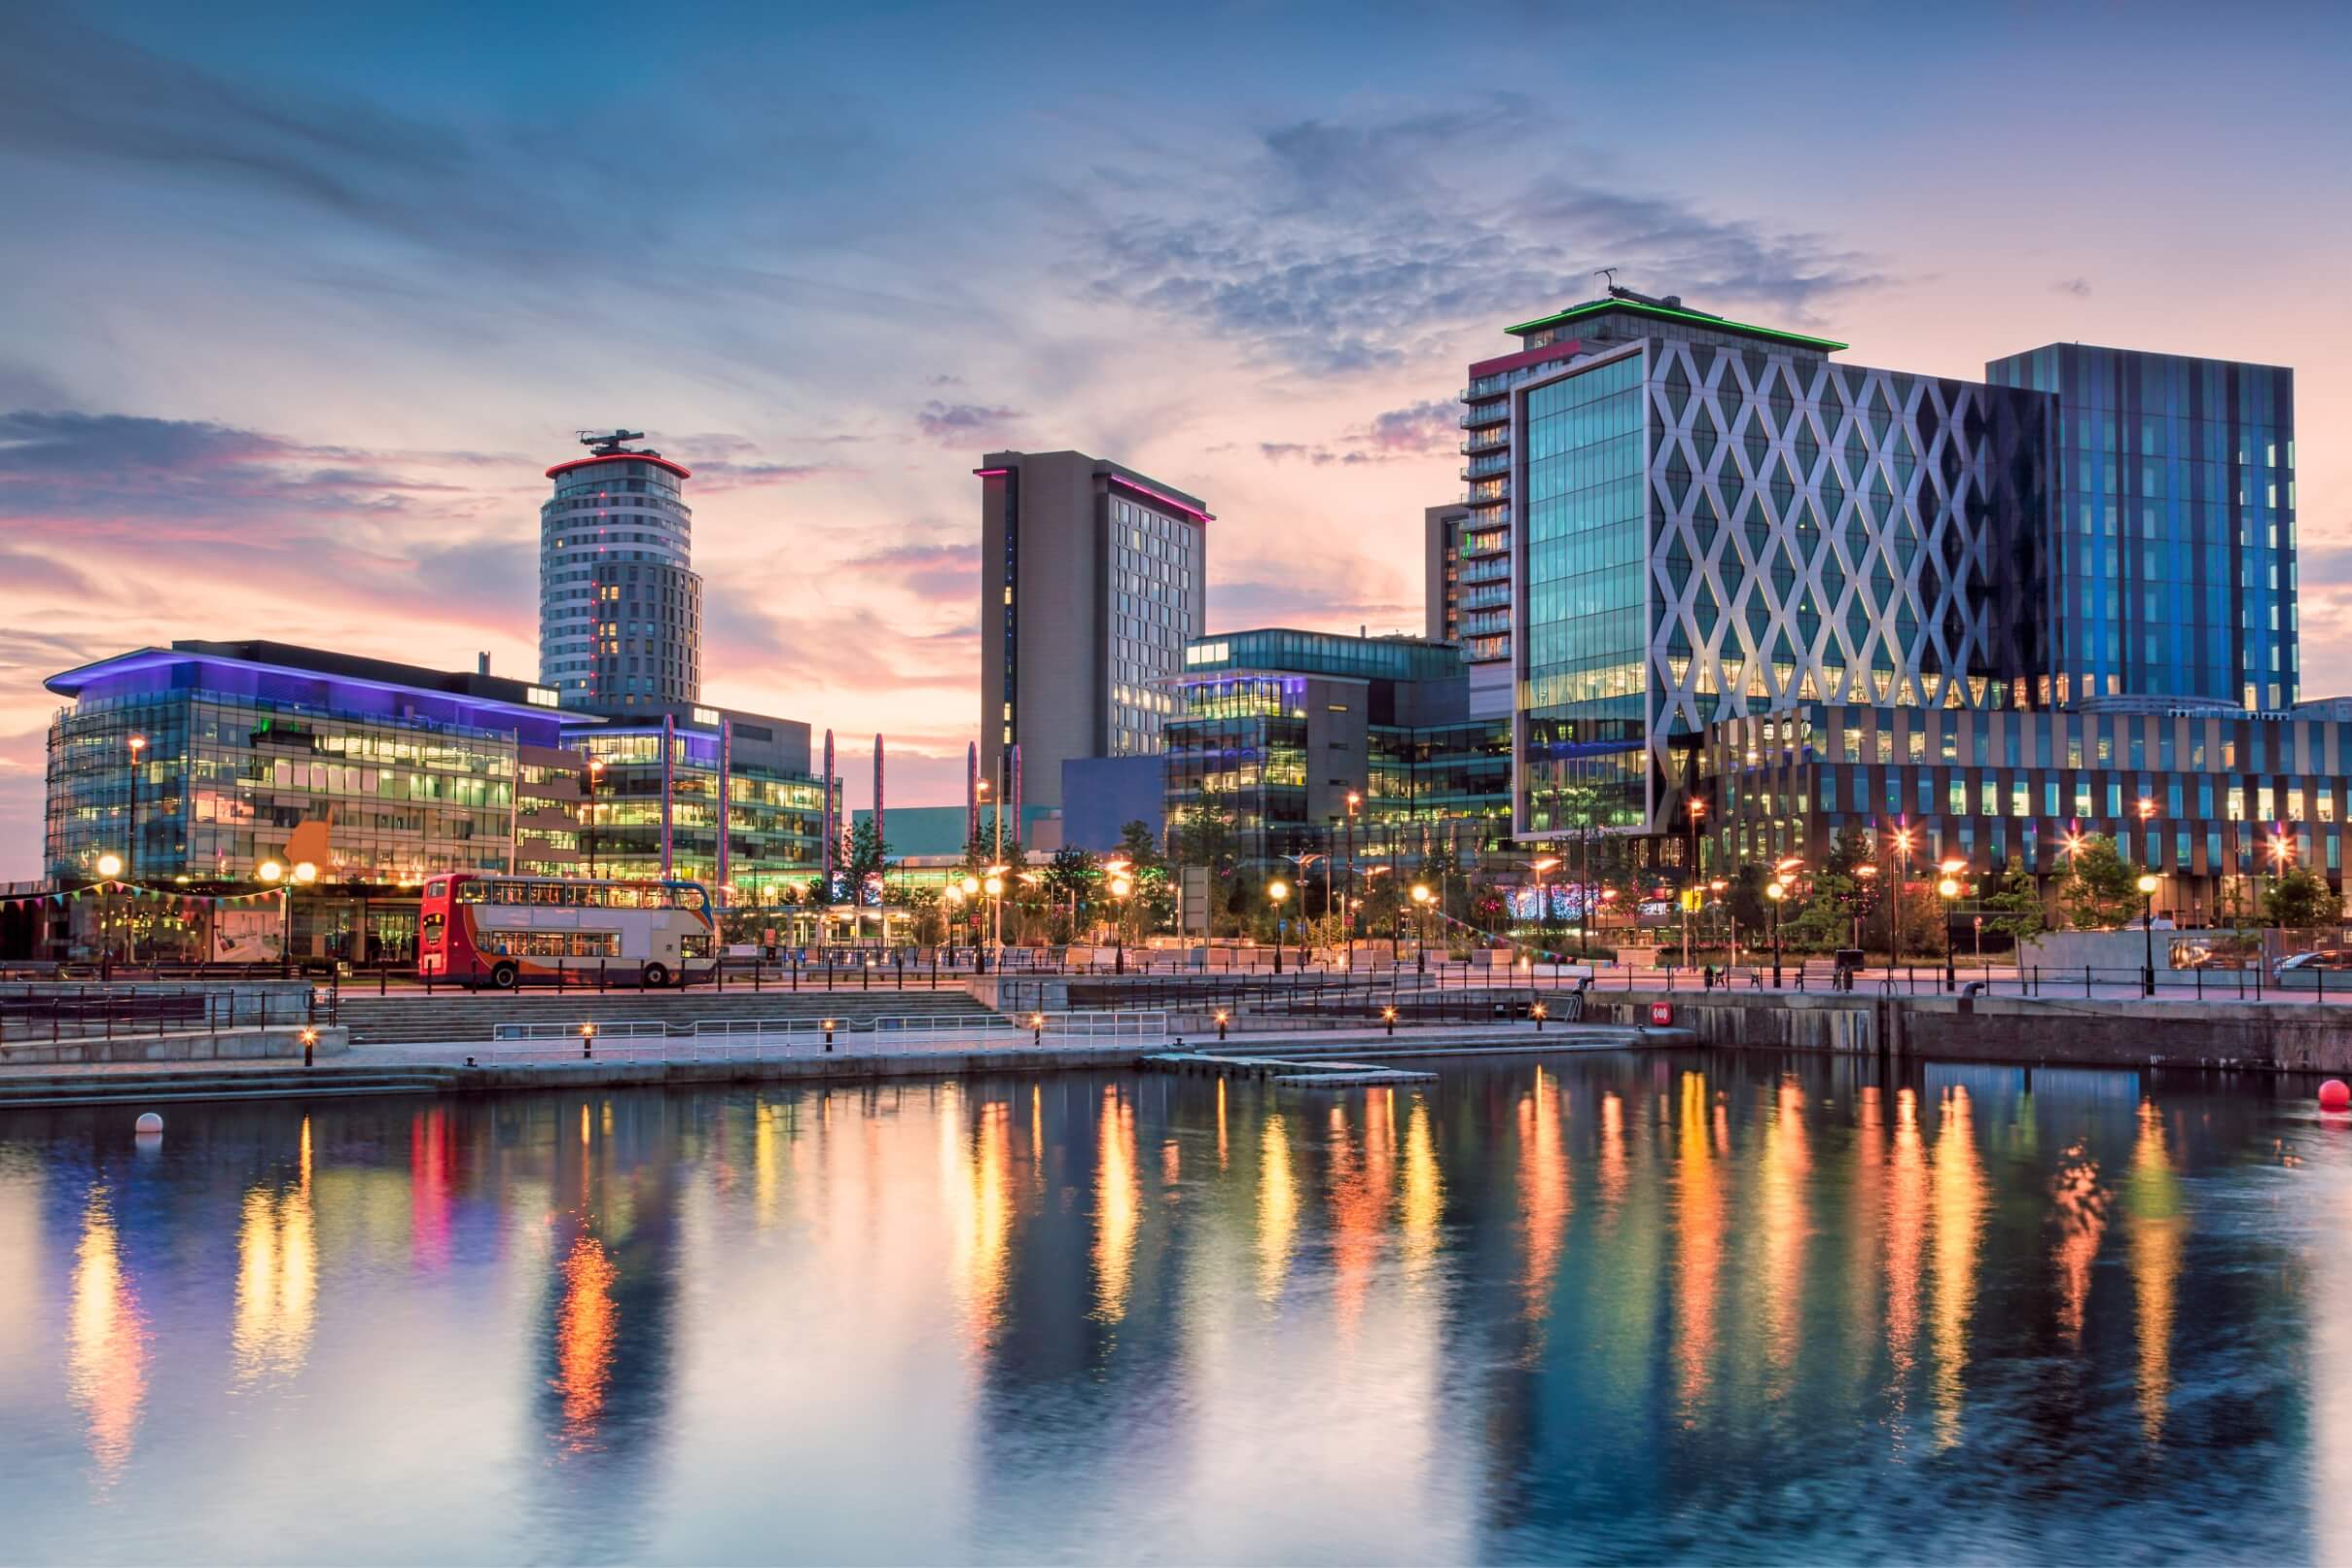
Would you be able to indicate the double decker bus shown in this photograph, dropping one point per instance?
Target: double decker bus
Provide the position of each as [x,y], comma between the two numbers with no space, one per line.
[484,928]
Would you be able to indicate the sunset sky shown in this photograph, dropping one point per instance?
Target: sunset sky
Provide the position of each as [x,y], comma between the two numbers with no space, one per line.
[302,300]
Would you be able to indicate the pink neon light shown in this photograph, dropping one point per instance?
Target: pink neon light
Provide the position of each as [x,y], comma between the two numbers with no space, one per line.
[991,473]
[1167,500]
[679,469]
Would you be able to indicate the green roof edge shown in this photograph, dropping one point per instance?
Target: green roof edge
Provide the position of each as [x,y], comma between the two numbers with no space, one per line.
[1664,313]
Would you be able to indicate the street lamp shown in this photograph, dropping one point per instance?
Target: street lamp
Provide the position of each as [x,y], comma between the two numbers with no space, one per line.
[285,880]
[2148,887]
[1542,903]
[1947,888]
[1699,809]
[1894,910]
[1775,890]
[1120,887]
[110,867]
[1420,920]
[1867,873]
[1348,917]
[595,780]
[1277,890]
[131,864]
[994,887]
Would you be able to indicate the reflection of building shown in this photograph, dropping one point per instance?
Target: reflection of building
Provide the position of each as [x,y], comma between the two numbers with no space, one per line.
[619,608]
[1280,727]
[657,807]
[1092,576]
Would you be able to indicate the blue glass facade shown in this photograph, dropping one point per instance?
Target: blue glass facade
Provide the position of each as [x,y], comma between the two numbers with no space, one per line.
[2170,552]
[1586,536]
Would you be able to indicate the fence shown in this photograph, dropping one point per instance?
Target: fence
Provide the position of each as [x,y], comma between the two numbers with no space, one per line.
[101,1011]
[1068,1027]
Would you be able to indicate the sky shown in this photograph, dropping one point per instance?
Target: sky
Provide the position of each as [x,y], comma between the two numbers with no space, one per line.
[297,302]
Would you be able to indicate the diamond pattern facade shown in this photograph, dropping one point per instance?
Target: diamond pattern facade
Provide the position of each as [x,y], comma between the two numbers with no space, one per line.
[1812,532]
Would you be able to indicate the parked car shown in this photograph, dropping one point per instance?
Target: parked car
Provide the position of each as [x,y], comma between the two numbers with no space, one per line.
[2317,969]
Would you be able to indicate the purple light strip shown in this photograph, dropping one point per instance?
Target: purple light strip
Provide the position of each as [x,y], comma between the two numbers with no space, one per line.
[1165,500]
[991,473]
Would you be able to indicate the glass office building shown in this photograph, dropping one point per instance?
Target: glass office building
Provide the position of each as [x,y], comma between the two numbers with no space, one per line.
[2171,558]
[660,791]
[620,606]
[1715,520]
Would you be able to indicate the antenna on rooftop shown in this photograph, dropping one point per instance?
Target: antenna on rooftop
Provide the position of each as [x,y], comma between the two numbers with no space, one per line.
[1609,273]
[611,444]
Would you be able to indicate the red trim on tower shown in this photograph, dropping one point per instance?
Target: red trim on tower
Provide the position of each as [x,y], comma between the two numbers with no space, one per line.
[679,469]
[1525,356]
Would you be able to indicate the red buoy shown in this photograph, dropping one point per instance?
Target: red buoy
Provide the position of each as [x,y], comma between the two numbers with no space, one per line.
[2336,1095]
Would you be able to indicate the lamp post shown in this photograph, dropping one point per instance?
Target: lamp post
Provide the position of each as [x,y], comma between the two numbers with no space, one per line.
[1947,888]
[1867,875]
[2148,887]
[130,854]
[1542,903]
[1699,809]
[1120,887]
[1894,910]
[1347,906]
[994,887]
[1277,890]
[955,911]
[286,881]
[1420,918]
[1774,891]
[1716,886]
[110,867]
[595,780]
[2282,855]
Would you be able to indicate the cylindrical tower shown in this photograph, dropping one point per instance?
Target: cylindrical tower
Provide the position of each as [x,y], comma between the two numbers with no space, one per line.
[620,605]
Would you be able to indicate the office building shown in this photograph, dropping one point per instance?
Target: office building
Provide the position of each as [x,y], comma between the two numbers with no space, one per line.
[2170,565]
[620,605]
[378,773]
[1298,737]
[1092,577]
[2211,799]
[1443,566]
[659,785]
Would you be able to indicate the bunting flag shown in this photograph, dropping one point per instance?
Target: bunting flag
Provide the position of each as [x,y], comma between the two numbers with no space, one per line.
[133,890]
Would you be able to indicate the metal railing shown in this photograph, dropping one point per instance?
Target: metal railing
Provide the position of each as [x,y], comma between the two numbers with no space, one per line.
[59,1012]
[1084,1024]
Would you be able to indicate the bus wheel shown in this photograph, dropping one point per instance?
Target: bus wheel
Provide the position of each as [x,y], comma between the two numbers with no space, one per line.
[505,976]
[656,977]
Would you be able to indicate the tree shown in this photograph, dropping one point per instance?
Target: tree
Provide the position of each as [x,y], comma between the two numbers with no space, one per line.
[1071,878]
[2299,899]
[2015,908]
[1139,848]
[867,863]
[2101,891]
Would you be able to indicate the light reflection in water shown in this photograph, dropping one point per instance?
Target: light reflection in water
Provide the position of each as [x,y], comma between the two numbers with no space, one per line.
[1699,1230]
[107,1339]
[1905,1247]
[1424,1198]
[1360,1208]
[1787,1163]
[1614,1173]
[1118,1206]
[1277,1207]
[277,1278]
[2152,1199]
[1959,1187]
[588,1327]
[2079,1208]
[1545,1196]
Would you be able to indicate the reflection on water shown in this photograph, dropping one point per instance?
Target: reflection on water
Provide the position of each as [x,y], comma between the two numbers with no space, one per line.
[1618,1308]
[108,1349]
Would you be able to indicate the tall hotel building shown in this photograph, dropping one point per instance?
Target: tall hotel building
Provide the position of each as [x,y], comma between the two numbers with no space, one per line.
[1092,579]
[619,607]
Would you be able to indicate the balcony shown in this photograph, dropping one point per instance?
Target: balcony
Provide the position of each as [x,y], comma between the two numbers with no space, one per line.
[1485,441]
[1482,415]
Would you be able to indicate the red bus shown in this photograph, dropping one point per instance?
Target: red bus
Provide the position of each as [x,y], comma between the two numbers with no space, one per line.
[484,928]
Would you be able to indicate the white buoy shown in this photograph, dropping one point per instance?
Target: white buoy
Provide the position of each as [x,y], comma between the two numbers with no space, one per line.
[149,1125]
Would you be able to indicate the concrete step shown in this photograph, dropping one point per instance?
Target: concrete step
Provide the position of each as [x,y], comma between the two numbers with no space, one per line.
[383,1021]
[144,1088]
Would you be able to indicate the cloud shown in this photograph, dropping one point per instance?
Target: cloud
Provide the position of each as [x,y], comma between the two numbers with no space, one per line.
[1335,246]
[1421,431]
[945,571]
[2079,287]
[1340,594]
[966,424]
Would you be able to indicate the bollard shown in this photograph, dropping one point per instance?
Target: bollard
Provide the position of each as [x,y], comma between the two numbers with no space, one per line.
[1390,1015]
[599,976]
[309,1043]
[587,1040]
[1540,1011]
[1037,1028]
[829,1033]
[1222,1016]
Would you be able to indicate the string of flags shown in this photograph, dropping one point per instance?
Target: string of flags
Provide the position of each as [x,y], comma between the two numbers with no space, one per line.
[133,890]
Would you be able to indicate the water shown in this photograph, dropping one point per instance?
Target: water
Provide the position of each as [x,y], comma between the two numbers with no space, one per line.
[1600,1308]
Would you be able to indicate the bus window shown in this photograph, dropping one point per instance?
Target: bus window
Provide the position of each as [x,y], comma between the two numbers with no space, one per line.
[472,892]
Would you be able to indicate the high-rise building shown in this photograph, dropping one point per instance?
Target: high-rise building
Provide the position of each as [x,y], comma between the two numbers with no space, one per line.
[2171,562]
[620,605]
[1092,577]
[1442,529]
